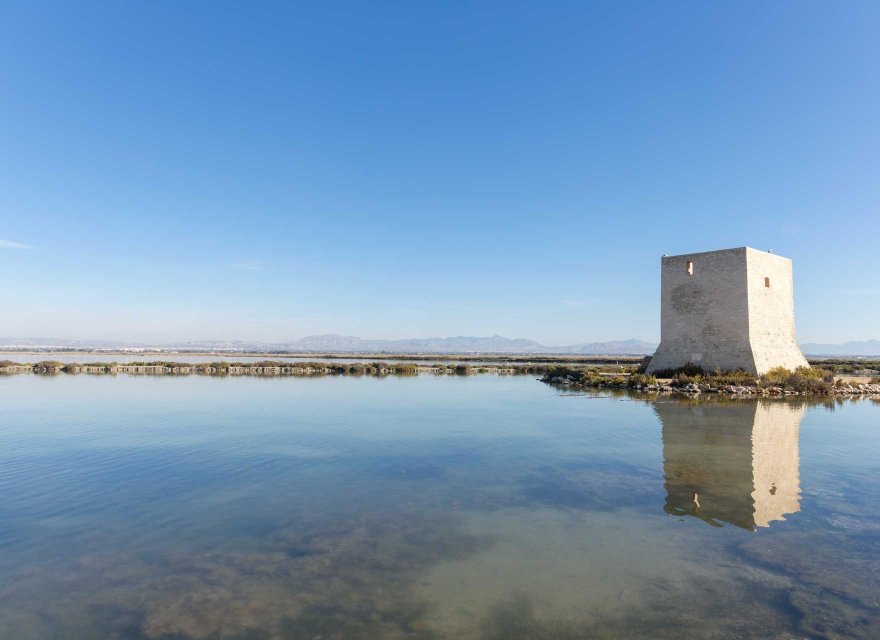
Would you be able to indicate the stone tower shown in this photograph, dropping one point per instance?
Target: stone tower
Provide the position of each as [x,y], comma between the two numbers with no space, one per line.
[728,309]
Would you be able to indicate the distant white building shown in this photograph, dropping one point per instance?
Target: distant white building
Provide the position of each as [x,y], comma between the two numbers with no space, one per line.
[728,309]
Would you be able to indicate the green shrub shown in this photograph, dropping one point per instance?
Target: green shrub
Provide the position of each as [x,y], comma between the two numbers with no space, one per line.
[736,378]
[640,380]
[690,370]
[405,369]
[802,379]
[777,375]
[560,372]
[683,379]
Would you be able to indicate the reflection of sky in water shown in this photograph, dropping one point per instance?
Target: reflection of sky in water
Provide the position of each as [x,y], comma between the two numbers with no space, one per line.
[479,507]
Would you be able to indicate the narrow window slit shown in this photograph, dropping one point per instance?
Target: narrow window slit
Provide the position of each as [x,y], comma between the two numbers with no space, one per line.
[691,268]
[767,282]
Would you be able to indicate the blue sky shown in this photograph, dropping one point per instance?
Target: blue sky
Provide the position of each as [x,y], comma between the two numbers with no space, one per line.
[211,170]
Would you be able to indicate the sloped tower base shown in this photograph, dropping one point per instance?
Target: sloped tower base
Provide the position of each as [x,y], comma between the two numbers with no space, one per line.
[729,309]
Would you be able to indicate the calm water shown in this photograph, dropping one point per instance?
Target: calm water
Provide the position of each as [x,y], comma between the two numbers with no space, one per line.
[482,508]
[175,357]
[82,358]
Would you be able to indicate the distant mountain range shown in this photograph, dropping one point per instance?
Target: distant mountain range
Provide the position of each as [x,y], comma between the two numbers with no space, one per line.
[465,344]
[457,344]
[334,343]
[858,348]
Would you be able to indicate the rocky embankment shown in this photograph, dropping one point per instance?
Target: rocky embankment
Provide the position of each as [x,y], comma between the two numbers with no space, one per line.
[670,386]
[694,388]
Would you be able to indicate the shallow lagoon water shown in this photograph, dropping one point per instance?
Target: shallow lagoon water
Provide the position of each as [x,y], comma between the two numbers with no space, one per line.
[480,507]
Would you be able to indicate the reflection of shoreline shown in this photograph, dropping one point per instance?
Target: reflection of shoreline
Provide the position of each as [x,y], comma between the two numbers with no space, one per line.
[653,398]
[731,462]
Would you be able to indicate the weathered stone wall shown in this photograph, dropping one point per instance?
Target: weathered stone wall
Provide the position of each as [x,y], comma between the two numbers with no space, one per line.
[704,314]
[718,313]
[771,312]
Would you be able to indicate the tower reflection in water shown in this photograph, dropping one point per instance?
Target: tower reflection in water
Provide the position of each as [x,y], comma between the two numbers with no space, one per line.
[733,462]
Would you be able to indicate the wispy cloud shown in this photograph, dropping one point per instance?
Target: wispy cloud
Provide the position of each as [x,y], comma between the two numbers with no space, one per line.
[247,265]
[9,244]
